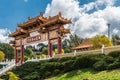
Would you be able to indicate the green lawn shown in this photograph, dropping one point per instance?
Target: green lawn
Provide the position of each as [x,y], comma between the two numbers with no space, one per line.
[88,74]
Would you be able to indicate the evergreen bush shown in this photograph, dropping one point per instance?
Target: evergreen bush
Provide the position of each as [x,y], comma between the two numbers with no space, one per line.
[114,54]
[44,69]
[114,65]
[100,65]
[56,72]
[108,59]
[85,61]
[68,65]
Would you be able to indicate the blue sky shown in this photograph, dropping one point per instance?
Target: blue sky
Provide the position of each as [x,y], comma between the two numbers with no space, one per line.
[96,13]
[13,12]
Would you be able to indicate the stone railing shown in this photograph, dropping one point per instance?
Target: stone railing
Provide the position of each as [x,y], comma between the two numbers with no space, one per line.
[6,62]
[37,59]
[103,50]
[9,66]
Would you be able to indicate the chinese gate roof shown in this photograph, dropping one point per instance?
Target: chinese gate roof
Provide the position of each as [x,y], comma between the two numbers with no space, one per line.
[19,31]
[40,22]
[12,42]
[63,30]
[45,21]
[55,20]
[31,21]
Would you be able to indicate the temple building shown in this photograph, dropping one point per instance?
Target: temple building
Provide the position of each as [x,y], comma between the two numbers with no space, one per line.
[117,42]
[84,46]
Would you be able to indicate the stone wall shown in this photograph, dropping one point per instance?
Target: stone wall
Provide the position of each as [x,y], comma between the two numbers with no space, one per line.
[99,51]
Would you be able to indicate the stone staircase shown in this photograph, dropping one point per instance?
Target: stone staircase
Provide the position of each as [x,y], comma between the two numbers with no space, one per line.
[6,68]
[11,64]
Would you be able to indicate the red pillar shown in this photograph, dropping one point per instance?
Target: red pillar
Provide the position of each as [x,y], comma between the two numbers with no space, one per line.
[49,49]
[49,45]
[59,41]
[16,55]
[59,46]
[22,54]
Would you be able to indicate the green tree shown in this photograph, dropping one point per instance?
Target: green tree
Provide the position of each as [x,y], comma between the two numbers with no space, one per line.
[100,40]
[56,51]
[2,56]
[74,40]
[44,50]
[41,46]
[114,38]
[30,53]
[12,76]
[8,50]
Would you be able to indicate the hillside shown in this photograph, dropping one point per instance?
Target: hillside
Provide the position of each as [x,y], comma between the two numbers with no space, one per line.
[88,74]
[84,67]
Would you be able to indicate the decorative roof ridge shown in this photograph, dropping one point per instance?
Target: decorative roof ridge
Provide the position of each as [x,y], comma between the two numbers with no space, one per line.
[18,30]
[31,19]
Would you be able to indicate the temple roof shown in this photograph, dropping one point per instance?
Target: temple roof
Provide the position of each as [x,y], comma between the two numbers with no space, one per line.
[42,22]
[18,31]
[45,21]
[86,44]
[12,42]
[31,21]
[64,30]
[118,41]
[55,20]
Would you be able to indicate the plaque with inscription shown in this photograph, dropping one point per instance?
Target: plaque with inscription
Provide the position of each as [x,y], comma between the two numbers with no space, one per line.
[53,34]
[35,39]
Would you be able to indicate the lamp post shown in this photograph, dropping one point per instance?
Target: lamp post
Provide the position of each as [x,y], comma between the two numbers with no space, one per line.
[108,30]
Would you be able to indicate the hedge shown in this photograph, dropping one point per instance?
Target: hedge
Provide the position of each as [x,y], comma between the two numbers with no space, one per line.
[45,69]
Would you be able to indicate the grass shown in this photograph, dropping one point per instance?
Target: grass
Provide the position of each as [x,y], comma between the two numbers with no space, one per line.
[89,74]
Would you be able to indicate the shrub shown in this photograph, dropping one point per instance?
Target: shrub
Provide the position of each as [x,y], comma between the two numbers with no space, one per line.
[54,60]
[56,71]
[26,58]
[12,76]
[5,77]
[114,54]
[100,65]
[51,66]
[68,65]
[64,59]
[1,66]
[114,65]
[109,59]
[32,76]
[46,74]
[85,61]
[118,59]
[47,68]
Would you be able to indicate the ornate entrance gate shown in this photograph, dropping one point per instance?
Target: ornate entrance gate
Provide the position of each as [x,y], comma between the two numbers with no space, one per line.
[39,29]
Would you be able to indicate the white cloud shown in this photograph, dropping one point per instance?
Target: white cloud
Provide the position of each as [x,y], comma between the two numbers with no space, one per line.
[4,35]
[84,24]
[115,31]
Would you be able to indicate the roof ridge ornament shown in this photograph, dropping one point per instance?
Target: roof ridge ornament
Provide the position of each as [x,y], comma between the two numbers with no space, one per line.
[59,13]
[41,14]
[28,17]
